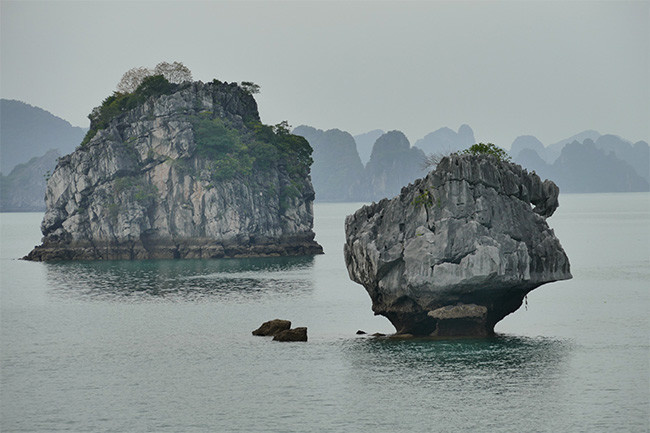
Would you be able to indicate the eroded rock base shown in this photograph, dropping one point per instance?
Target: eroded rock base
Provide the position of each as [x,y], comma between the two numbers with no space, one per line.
[461,320]
[422,325]
[186,249]
[458,320]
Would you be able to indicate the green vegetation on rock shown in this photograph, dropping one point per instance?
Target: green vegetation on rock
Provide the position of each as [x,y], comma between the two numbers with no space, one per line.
[487,149]
[143,192]
[236,152]
[119,103]
[425,198]
[223,146]
[231,145]
[180,170]
[134,189]
[294,151]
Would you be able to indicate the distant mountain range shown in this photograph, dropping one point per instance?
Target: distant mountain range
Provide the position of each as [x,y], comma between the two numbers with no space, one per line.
[24,189]
[337,169]
[393,164]
[365,142]
[31,140]
[27,131]
[365,167]
[445,141]
[339,175]
[587,162]
[551,152]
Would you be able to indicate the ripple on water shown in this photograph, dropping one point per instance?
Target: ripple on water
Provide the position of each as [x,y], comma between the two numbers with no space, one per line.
[225,280]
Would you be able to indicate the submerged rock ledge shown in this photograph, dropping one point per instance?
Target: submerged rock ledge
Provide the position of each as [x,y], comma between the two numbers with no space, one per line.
[189,173]
[458,250]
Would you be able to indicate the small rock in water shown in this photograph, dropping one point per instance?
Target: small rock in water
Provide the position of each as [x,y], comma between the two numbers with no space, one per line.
[360,332]
[296,334]
[272,327]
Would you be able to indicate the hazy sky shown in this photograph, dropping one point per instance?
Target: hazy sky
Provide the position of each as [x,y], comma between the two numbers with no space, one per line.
[550,69]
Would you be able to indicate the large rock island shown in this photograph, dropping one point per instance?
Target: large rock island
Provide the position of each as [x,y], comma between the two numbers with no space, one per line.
[458,250]
[180,171]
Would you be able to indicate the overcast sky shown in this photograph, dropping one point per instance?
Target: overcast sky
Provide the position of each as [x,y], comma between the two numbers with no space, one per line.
[549,69]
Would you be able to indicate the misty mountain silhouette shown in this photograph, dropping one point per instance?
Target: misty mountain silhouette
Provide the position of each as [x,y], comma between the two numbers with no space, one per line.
[584,167]
[337,170]
[23,190]
[393,164]
[27,131]
[585,162]
[445,141]
[365,142]
[525,143]
[31,140]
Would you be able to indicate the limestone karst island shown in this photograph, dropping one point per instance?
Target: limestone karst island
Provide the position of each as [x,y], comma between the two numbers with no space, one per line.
[458,250]
[172,168]
[180,170]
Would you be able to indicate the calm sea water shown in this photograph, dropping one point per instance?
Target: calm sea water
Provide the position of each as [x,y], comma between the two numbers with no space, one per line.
[166,346]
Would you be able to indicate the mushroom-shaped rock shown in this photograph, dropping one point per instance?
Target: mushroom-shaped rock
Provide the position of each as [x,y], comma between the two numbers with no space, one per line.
[458,250]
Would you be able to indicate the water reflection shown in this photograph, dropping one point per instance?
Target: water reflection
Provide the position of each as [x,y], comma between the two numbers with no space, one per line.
[232,280]
[505,383]
[500,363]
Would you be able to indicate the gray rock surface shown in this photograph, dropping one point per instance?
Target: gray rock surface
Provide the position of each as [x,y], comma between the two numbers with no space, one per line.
[458,250]
[272,327]
[141,189]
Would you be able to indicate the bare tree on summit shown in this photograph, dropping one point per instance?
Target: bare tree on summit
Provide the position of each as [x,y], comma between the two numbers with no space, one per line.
[173,72]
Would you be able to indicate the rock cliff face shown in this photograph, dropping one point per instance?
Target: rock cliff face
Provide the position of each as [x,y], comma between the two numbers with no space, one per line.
[458,250]
[188,174]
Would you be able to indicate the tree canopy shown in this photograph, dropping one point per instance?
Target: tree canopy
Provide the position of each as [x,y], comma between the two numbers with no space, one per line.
[487,149]
[119,103]
[175,73]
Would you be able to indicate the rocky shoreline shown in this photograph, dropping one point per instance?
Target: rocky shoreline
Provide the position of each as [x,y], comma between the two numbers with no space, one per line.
[188,249]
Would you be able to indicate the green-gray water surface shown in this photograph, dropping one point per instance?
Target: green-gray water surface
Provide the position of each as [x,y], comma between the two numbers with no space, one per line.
[166,346]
